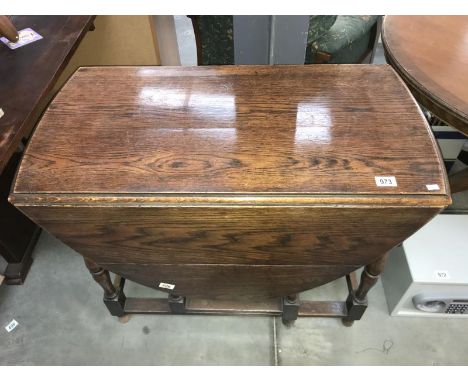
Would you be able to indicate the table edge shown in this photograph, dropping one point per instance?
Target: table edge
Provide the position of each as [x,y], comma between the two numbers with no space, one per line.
[436,200]
[449,114]
[27,125]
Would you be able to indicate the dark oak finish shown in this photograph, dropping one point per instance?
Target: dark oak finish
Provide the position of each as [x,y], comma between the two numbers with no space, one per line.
[230,234]
[102,277]
[28,75]
[369,277]
[356,304]
[18,234]
[122,305]
[232,183]
[231,130]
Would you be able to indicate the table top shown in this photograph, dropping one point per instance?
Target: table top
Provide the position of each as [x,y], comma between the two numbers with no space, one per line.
[256,130]
[431,55]
[29,73]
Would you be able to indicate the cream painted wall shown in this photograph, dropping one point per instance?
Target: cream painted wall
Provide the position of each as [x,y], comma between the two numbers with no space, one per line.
[117,40]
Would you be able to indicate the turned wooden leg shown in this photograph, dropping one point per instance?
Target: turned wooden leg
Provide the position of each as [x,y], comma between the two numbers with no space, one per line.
[102,277]
[113,297]
[369,277]
[356,302]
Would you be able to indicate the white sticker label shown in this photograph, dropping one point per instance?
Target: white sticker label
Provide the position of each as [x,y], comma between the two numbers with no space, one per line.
[432,187]
[166,286]
[385,181]
[11,326]
[441,275]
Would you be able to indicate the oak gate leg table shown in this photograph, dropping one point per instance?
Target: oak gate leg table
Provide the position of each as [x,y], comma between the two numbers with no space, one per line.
[234,188]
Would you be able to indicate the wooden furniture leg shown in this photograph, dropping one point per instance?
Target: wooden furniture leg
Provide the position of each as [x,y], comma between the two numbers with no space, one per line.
[290,309]
[356,303]
[114,298]
[18,234]
[176,304]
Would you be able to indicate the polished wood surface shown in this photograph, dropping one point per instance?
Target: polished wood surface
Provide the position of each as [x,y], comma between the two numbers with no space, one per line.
[259,130]
[232,182]
[431,55]
[254,251]
[247,235]
[29,73]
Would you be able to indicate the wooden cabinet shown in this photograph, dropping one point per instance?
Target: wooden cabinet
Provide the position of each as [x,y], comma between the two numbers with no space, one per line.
[232,182]
[28,76]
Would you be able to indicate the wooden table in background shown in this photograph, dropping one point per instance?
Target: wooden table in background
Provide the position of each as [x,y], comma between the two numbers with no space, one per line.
[28,75]
[430,53]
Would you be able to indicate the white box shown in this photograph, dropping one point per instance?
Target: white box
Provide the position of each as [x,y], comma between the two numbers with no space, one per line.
[433,264]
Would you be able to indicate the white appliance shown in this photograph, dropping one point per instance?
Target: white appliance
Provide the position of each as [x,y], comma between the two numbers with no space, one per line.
[427,276]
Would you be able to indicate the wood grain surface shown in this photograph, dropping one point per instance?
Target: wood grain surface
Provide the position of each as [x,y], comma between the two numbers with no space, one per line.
[274,235]
[431,55]
[232,252]
[232,182]
[29,73]
[292,129]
